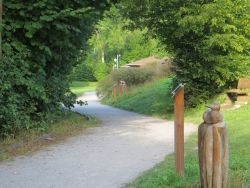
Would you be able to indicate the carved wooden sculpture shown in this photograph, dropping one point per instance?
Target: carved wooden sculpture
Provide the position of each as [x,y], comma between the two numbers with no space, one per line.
[213,149]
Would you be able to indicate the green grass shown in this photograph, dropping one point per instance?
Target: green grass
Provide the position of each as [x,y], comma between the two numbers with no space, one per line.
[163,174]
[155,99]
[79,87]
[151,99]
[63,126]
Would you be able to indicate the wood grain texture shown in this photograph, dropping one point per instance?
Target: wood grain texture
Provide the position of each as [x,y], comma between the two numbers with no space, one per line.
[213,155]
[179,130]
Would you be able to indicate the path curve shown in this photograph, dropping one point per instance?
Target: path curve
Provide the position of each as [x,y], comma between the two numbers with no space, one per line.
[108,156]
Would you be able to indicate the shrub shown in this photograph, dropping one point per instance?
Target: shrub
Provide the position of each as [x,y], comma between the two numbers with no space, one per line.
[105,87]
[132,77]
[41,41]
[18,94]
[101,70]
[82,72]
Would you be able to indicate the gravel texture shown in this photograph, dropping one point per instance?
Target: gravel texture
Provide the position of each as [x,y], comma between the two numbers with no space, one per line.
[123,146]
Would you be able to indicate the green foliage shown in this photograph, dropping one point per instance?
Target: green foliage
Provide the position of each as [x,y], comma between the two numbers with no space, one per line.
[210,39]
[101,70]
[41,42]
[132,77]
[82,72]
[112,37]
[16,105]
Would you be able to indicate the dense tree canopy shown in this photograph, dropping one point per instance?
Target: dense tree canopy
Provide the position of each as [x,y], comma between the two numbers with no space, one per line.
[41,40]
[210,39]
[111,37]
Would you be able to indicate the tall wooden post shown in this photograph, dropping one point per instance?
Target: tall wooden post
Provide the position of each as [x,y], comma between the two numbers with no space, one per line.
[179,128]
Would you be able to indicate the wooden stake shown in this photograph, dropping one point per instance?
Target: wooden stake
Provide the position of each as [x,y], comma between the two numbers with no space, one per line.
[179,129]
[114,91]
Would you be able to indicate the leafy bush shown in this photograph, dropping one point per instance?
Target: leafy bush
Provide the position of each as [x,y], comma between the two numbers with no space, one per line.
[132,77]
[82,72]
[42,40]
[101,70]
[18,93]
[105,87]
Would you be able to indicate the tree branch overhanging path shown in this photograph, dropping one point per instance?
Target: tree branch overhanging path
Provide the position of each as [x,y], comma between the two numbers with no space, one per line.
[110,155]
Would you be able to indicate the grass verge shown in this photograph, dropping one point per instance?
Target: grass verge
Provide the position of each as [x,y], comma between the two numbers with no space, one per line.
[163,174]
[155,99]
[151,99]
[79,87]
[68,124]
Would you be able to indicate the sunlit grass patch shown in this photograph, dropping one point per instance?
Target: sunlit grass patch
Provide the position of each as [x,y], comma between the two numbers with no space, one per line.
[79,87]
[151,98]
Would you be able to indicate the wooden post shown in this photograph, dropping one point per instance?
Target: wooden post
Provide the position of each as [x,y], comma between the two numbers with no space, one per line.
[213,149]
[179,128]
[114,91]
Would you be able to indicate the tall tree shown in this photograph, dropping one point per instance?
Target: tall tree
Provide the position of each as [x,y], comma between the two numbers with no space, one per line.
[210,39]
[112,38]
[41,41]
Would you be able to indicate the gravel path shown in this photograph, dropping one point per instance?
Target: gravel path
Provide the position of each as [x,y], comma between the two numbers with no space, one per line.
[108,156]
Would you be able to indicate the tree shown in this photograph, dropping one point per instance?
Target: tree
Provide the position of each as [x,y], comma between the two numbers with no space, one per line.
[210,39]
[41,41]
[111,37]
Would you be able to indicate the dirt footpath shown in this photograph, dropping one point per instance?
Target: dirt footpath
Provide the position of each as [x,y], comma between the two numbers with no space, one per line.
[108,156]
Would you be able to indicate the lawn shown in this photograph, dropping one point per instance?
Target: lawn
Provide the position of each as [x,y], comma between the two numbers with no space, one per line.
[61,126]
[151,99]
[155,99]
[79,87]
